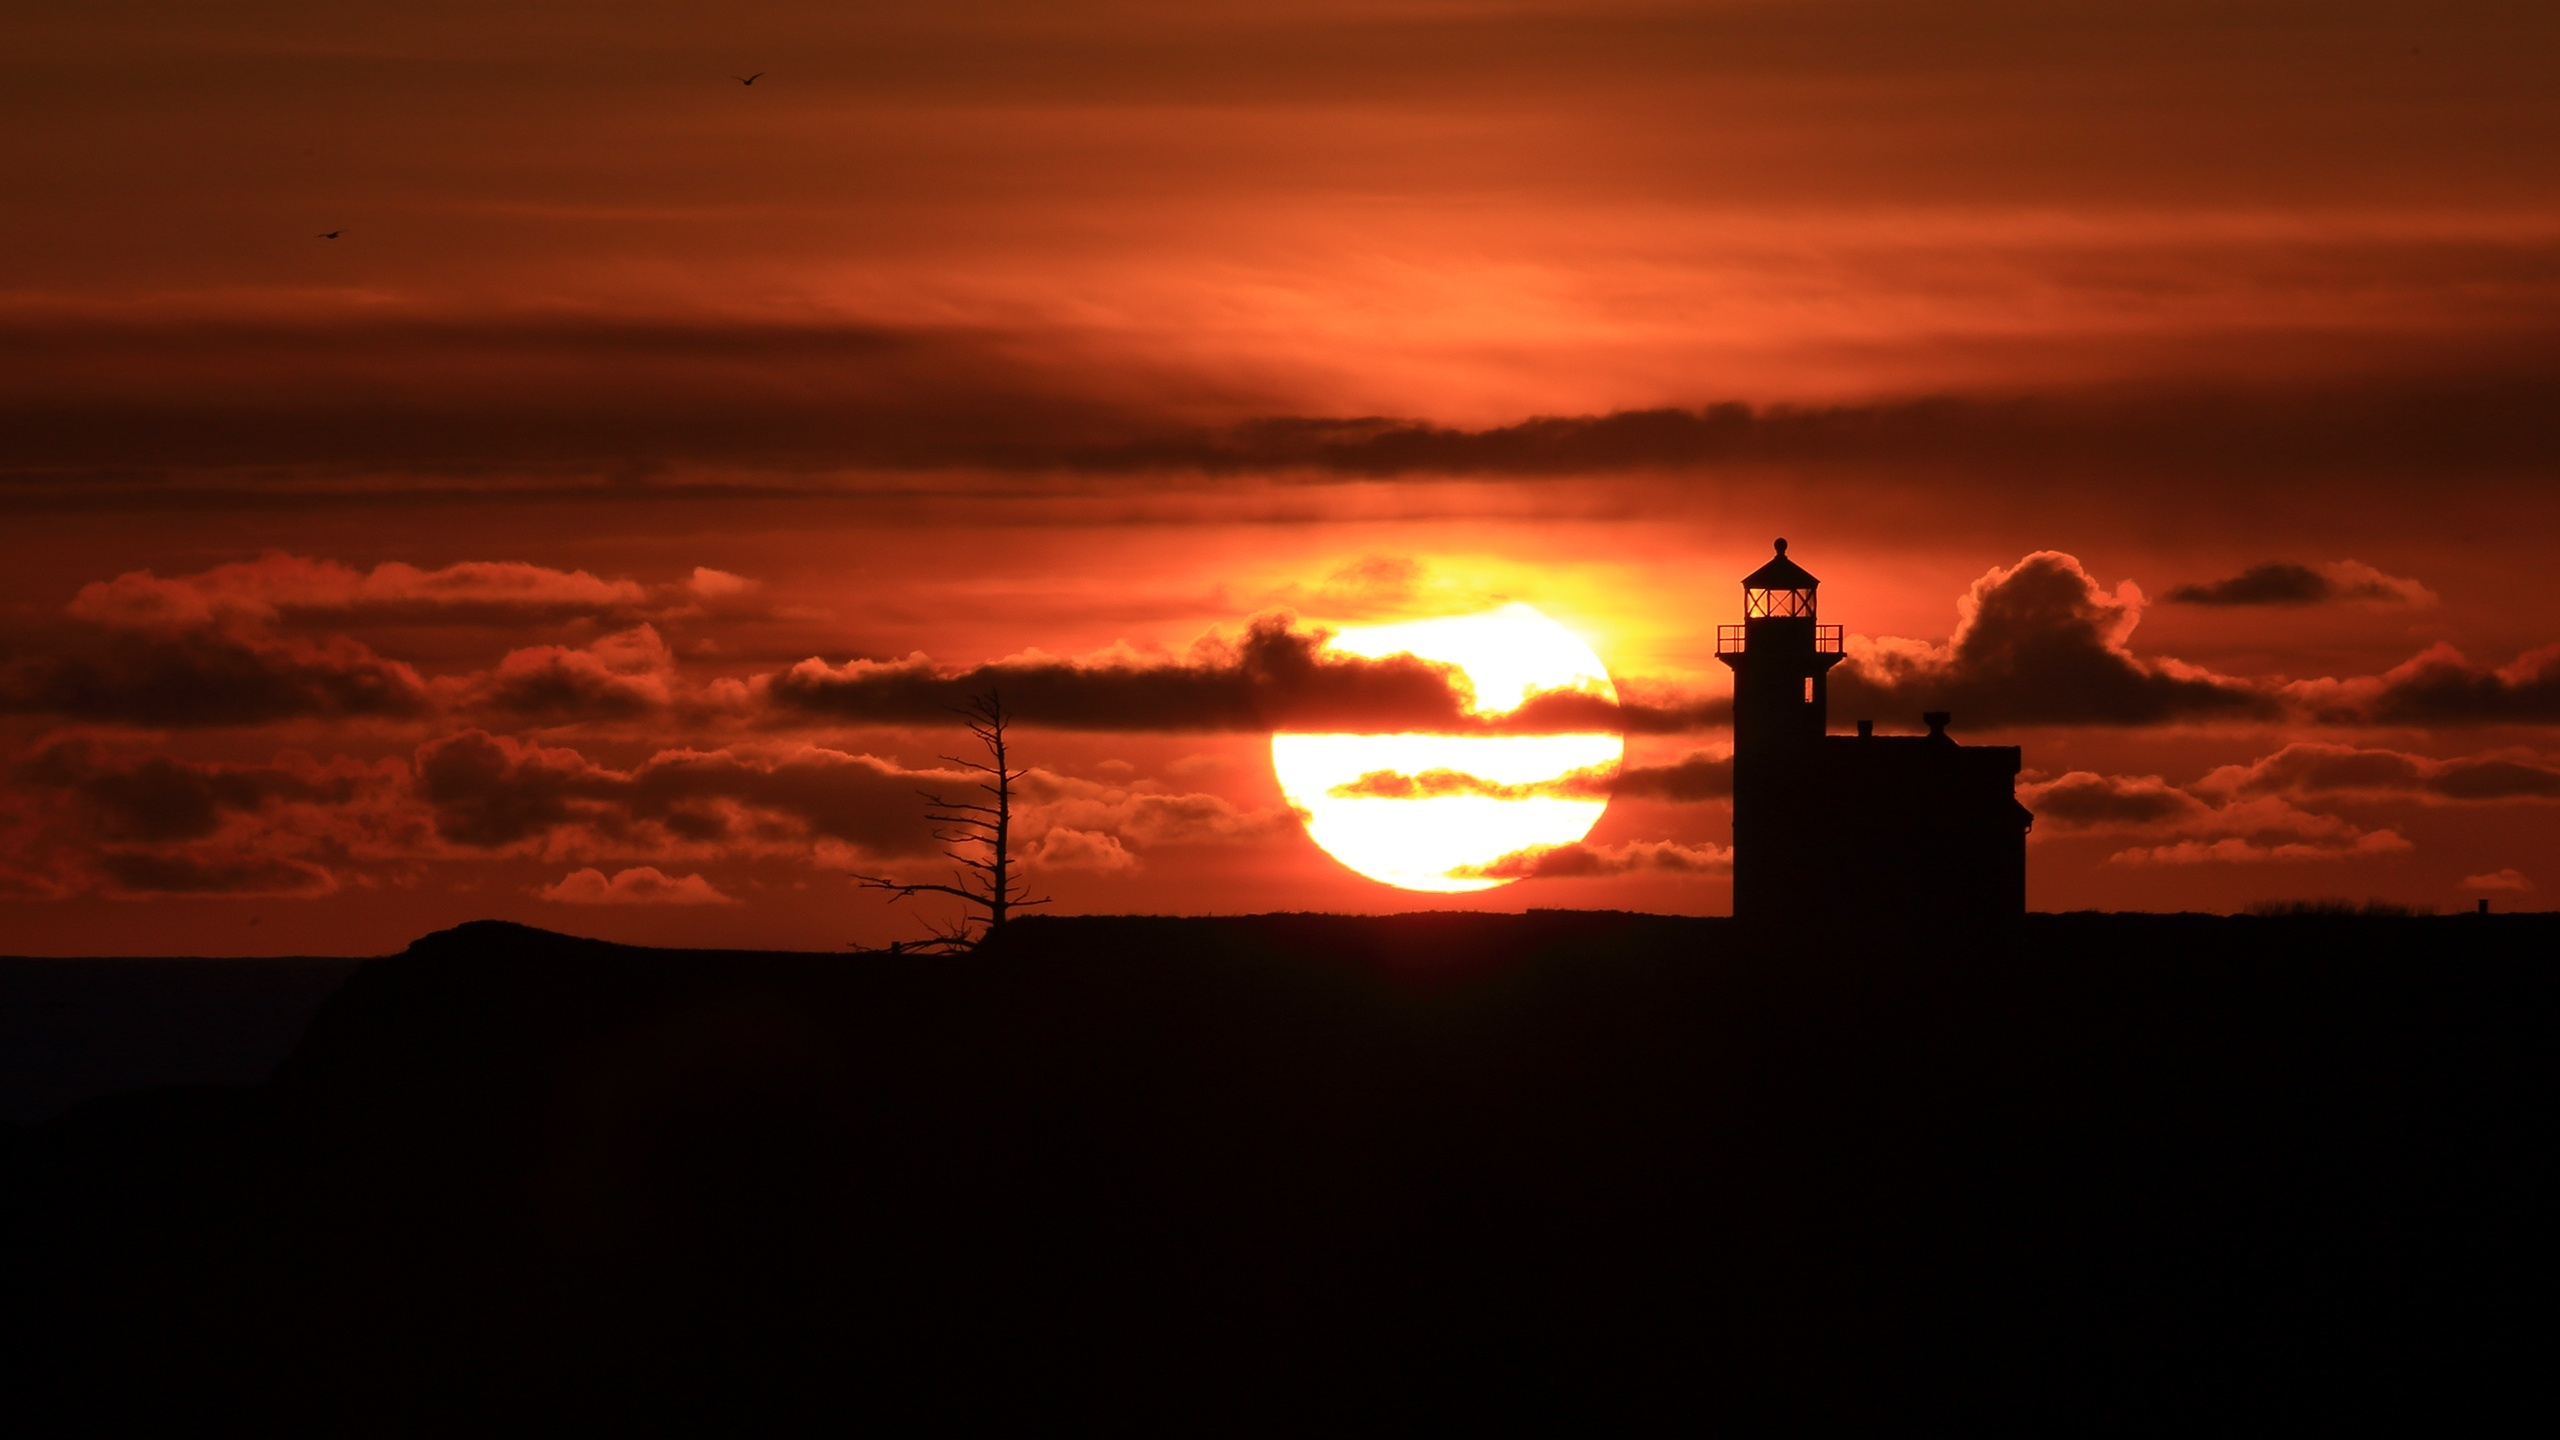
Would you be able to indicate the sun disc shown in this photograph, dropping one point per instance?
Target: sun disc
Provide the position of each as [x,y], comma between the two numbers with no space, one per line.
[1445,812]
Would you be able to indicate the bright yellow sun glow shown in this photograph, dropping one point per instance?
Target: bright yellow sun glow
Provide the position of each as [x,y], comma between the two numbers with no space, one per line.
[1435,812]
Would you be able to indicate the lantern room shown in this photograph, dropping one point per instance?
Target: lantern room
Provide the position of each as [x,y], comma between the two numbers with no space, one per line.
[1781,589]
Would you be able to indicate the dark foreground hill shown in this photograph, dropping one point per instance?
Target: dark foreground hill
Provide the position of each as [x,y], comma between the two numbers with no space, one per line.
[1566,1170]
[75,1029]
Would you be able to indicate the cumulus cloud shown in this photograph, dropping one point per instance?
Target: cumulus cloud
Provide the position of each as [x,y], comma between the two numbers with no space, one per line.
[1082,850]
[711,589]
[1141,815]
[208,648]
[2239,850]
[493,793]
[2186,828]
[2281,582]
[2439,686]
[618,677]
[642,885]
[1582,861]
[2509,880]
[83,815]
[2037,643]
[216,647]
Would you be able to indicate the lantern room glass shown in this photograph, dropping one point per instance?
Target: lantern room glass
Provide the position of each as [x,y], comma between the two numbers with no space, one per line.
[1777,604]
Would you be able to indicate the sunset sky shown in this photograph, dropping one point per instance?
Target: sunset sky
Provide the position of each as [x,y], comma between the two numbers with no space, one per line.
[593,532]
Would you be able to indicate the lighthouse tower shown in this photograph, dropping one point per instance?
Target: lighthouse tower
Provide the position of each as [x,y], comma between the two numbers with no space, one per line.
[1861,828]
[1781,657]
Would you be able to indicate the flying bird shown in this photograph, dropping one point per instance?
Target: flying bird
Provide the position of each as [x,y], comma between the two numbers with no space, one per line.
[329,234]
[748,79]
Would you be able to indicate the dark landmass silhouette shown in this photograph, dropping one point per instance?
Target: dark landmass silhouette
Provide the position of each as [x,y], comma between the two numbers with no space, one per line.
[1576,1170]
[77,1029]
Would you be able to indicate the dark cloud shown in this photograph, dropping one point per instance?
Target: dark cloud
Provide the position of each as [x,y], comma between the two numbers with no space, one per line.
[2082,800]
[161,798]
[143,872]
[280,586]
[105,814]
[1582,861]
[1641,709]
[204,677]
[488,792]
[1591,784]
[2038,643]
[2496,779]
[481,400]
[2308,769]
[2272,434]
[1275,677]
[1694,777]
[2275,583]
[102,411]
[105,397]
[2284,583]
[2440,686]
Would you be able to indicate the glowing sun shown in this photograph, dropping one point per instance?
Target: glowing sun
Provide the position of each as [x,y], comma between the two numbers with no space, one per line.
[1458,812]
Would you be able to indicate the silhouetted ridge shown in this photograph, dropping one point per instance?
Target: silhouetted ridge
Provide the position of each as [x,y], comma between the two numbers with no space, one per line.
[485,936]
[1574,1171]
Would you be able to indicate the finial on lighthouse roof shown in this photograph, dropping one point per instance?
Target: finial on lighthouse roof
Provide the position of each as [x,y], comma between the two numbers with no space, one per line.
[1780,573]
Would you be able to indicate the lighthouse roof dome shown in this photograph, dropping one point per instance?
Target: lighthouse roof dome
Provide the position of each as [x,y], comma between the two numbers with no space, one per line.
[1780,573]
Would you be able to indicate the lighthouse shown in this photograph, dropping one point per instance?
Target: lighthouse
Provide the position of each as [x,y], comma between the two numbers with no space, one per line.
[1863,827]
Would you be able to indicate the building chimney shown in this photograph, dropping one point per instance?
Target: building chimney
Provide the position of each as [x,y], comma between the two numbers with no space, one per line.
[1937,720]
[1866,728]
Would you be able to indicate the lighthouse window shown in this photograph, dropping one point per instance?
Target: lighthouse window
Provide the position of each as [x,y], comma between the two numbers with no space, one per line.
[1808,689]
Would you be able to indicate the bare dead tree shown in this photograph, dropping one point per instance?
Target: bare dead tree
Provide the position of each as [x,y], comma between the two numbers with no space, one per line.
[978,837]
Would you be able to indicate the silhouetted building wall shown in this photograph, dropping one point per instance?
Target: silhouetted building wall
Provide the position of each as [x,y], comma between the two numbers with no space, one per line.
[1855,827]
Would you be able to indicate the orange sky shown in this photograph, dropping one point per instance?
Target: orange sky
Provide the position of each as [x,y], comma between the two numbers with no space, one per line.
[982,330]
